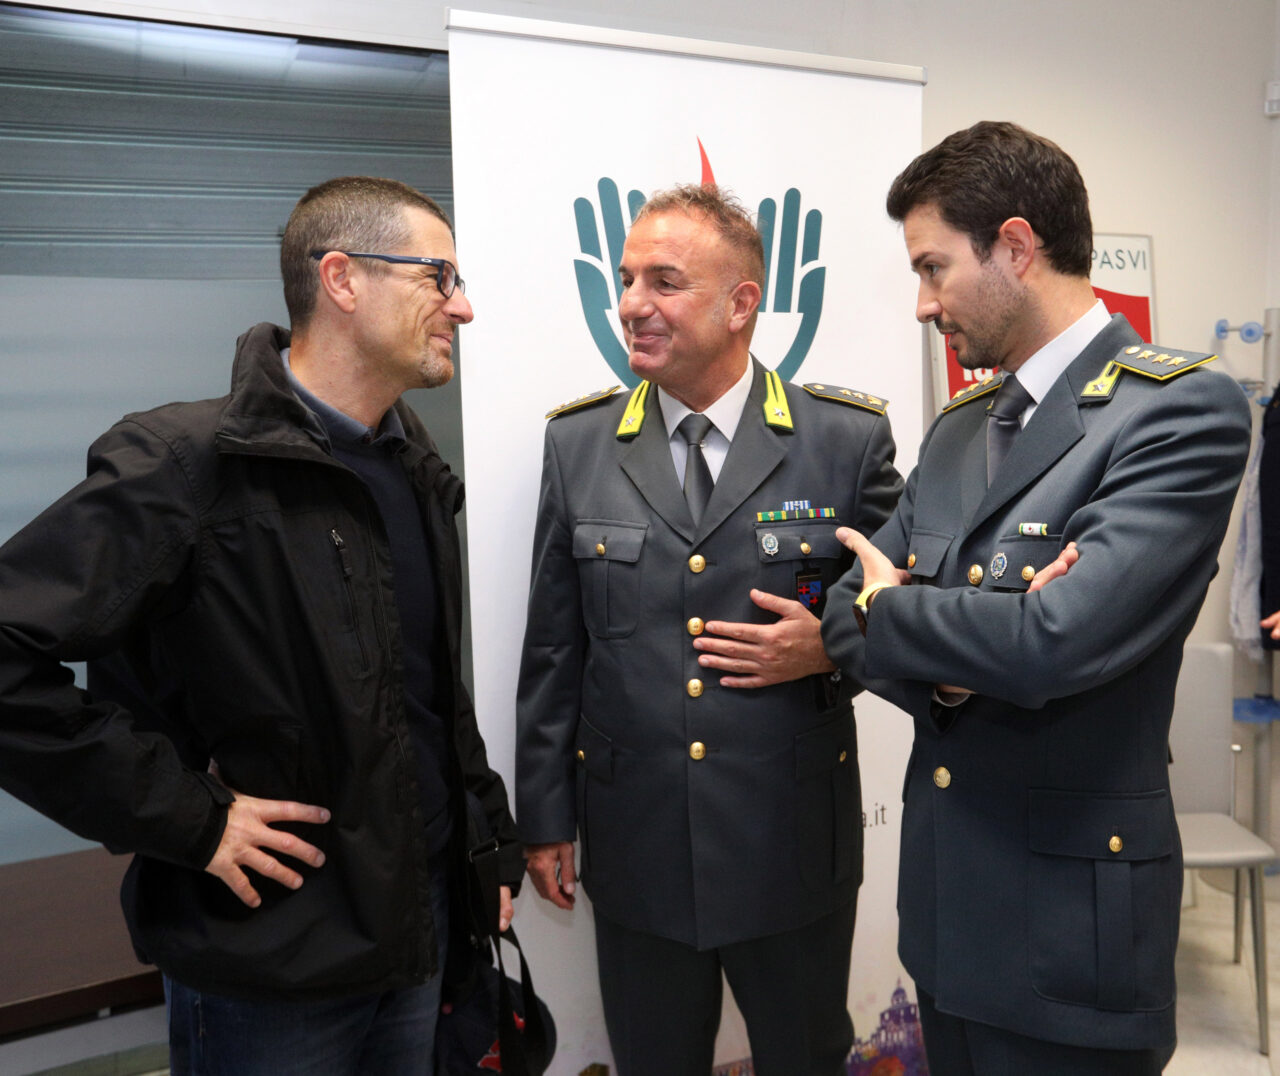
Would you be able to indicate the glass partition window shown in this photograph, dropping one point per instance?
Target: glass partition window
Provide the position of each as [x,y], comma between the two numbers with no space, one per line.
[146,173]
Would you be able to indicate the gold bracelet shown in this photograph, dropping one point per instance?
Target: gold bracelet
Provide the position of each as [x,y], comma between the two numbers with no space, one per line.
[867,592]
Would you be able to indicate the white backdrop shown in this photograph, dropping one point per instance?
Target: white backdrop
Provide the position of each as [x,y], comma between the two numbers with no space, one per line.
[546,123]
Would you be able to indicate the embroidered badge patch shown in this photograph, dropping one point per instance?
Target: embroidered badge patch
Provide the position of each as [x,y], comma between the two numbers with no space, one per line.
[809,589]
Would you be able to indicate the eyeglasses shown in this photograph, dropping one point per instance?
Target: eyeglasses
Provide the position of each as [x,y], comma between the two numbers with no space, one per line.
[447,278]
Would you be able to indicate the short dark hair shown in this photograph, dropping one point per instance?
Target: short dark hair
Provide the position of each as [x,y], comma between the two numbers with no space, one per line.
[724,211]
[347,213]
[980,177]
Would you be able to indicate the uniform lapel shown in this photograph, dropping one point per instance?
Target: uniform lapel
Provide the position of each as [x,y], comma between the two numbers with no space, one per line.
[1053,429]
[754,454]
[647,462]
[973,465]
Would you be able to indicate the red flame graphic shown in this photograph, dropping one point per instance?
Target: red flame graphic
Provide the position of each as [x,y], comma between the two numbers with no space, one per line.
[707,176]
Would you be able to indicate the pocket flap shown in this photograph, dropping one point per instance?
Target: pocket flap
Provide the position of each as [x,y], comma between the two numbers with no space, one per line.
[826,747]
[594,750]
[1020,557]
[808,539]
[1101,825]
[925,552]
[604,539]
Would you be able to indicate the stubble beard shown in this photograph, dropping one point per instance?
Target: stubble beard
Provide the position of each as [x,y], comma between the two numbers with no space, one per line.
[1000,307]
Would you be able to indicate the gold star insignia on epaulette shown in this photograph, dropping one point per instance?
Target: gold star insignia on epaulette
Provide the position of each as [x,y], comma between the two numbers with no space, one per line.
[973,392]
[585,400]
[851,397]
[1160,364]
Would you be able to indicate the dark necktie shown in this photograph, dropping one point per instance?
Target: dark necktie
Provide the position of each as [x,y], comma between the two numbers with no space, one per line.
[1002,422]
[697,475]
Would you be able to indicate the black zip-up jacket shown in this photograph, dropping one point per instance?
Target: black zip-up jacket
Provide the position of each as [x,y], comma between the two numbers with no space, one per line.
[231,585]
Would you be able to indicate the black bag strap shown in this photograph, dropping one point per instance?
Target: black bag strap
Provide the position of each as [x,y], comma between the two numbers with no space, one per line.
[523,1053]
[491,862]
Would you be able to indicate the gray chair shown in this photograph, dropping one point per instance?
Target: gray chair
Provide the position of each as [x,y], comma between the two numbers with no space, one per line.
[1202,779]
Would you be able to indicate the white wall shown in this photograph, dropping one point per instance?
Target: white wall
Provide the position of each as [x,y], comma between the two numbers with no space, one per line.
[1159,101]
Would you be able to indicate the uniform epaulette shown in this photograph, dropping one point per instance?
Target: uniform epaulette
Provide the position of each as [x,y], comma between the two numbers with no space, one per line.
[852,397]
[973,392]
[583,401]
[1147,360]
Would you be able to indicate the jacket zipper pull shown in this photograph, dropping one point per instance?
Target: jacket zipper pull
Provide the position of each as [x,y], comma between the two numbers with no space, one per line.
[343,555]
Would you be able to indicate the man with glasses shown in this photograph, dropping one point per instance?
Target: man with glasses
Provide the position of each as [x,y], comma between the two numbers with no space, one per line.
[267,587]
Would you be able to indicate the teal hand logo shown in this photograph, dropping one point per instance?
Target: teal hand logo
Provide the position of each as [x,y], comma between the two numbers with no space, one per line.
[782,273]
[794,282]
[599,286]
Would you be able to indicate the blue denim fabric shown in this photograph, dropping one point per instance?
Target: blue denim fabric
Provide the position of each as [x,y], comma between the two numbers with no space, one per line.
[387,1034]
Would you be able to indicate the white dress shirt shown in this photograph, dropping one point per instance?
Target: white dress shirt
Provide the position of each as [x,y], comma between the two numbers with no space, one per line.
[724,414]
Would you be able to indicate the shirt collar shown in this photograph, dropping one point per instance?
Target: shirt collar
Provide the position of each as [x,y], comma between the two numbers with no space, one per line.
[339,425]
[1039,372]
[725,413]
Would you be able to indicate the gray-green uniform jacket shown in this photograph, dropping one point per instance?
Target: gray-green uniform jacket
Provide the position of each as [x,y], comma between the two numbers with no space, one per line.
[1041,873]
[706,814]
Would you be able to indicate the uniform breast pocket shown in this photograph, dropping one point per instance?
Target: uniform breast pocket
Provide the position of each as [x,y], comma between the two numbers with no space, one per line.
[800,558]
[925,553]
[1017,558]
[609,570]
[1104,889]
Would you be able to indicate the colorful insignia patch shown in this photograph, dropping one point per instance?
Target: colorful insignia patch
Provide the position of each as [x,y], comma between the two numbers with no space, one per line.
[779,515]
[809,589]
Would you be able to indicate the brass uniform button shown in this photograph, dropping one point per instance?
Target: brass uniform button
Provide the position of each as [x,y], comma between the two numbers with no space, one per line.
[942,777]
[1115,844]
[697,750]
[975,574]
[911,560]
[694,687]
[1028,573]
[697,563]
[844,755]
[695,625]
[599,549]
[806,548]
[582,755]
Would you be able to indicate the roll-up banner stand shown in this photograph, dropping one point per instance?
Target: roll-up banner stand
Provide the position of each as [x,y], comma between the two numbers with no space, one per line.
[557,130]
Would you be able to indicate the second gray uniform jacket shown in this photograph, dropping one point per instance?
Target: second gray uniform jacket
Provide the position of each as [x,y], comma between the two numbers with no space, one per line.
[708,815]
[1041,873]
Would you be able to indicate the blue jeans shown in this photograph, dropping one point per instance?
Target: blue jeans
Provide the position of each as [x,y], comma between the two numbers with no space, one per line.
[386,1034]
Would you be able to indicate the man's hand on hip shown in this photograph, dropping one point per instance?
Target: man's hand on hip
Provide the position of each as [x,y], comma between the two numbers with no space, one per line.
[761,654]
[249,832]
[551,868]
